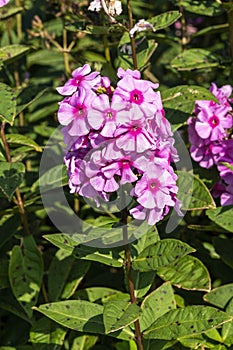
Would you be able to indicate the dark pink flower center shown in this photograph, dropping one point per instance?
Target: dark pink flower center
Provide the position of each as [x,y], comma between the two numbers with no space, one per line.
[136,96]
[109,114]
[78,79]
[214,121]
[80,111]
[154,185]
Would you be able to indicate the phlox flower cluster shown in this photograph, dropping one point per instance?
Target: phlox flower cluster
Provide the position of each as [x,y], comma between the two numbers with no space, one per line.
[117,136]
[209,135]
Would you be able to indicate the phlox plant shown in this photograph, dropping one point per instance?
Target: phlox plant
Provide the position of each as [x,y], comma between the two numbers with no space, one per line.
[116,175]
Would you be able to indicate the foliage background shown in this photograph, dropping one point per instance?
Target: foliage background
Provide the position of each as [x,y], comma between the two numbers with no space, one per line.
[41,43]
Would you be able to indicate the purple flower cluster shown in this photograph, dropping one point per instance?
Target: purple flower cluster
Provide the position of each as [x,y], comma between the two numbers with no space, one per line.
[118,136]
[209,134]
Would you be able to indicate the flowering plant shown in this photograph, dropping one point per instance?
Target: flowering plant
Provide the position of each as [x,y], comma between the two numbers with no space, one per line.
[119,136]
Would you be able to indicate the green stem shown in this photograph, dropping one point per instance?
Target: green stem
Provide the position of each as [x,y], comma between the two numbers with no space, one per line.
[128,269]
[132,39]
[18,21]
[65,52]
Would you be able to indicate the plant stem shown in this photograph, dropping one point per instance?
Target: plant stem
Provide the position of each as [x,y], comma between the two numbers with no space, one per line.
[65,52]
[132,39]
[17,191]
[129,276]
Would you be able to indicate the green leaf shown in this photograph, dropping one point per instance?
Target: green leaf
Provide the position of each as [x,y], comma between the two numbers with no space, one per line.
[220,296]
[10,53]
[179,102]
[19,139]
[150,237]
[187,273]
[194,59]
[21,108]
[165,19]
[187,321]
[119,314]
[202,7]
[64,241]
[79,315]
[105,256]
[64,275]
[10,304]
[142,282]
[227,329]
[8,227]
[47,335]
[51,179]
[93,294]
[193,193]
[156,304]
[161,254]
[84,342]
[25,273]
[7,12]
[7,104]
[222,216]
[144,52]
[11,176]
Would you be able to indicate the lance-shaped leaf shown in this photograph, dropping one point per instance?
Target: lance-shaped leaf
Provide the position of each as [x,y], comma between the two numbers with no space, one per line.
[10,53]
[7,104]
[193,193]
[156,304]
[142,282]
[25,273]
[119,314]
[19,139]
[161,254]
[194,59]
[186,321]
[82,316]
[222,216]
[187,273]
[11,176]
[164,19]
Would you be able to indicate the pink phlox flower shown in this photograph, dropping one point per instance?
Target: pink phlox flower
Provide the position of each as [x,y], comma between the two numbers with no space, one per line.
[154,189]
[122,168]
[138,92]
[96,139]
[133,136]
[81,77]
[212,121]
[222,94]
[121,73]
[105,115]
[74,112]
[3,2]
